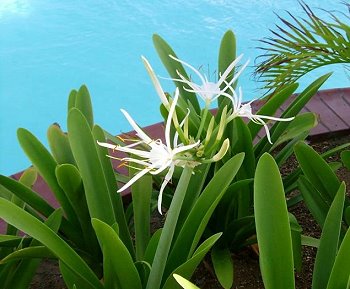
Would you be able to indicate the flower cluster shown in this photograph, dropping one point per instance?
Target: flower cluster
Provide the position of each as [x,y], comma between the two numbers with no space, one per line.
[155,157]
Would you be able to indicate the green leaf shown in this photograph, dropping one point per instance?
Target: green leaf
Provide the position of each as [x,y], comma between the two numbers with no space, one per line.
[227,54]
[223,266]
[318,172]
[71,279]
[46,165]
[339,277]
[33,227]
[272,226]
[28,253]
[184,283]
[91,171]
[202,210]
[152,246]
[187,268]
[141,192]
[27,195]
[59,145]
[111,182]
[301,124]
[172,66]
[70,181]
[271,106]
[345,158]
[313,200]
[329,240]
[83,104]
[117,256]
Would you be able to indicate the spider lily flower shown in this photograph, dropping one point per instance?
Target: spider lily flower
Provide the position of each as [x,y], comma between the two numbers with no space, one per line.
[245,110]
[210,91]
[160,156]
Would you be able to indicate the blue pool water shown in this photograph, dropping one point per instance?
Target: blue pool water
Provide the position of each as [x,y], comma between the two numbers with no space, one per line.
[49,47]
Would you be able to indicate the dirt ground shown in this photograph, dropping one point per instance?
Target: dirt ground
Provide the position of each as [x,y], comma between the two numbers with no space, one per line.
[246,262]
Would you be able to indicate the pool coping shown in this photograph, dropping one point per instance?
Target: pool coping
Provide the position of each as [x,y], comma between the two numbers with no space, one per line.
[331,105]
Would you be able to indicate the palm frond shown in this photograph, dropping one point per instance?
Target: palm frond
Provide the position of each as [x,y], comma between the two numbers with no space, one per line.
[299,46]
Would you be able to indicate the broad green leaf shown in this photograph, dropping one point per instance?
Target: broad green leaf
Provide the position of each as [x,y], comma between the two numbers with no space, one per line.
[345,158]
[172,66]
[117,256]
[291,111]
[152,246]
[25,222]
[59,145]
[83,104]
[202,210]
[187,268]
[318,172]
[72,99]
[227,54]
[111,182]
[272,226]
[313,200]
[339,277]
[70,181]
[28,253]
[272,105]
[301,124]
[184,283]
[223,266]
[27,195]
[84,150]
[46,165]
[329,240]
[141,192]
[71,279]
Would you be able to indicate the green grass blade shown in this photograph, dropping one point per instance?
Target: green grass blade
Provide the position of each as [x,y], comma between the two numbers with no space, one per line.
[272,226]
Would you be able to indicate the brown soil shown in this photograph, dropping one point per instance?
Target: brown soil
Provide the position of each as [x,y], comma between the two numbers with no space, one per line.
[246,262]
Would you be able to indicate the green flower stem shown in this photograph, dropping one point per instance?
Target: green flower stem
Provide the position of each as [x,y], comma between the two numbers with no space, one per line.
[161,256]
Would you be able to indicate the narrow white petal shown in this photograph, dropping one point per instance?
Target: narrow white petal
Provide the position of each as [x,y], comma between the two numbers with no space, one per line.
[140,153]
[138,130]
[229,69]
[107,145]
[185,148]
[191,67]
[275,118]
[170,116]
[167,179]
[134,179]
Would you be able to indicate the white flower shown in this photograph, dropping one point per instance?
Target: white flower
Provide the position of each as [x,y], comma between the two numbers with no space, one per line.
[210,91]
[159,157]
[245,110]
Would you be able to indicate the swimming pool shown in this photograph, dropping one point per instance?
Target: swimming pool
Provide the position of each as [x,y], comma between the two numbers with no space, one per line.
[48,48]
